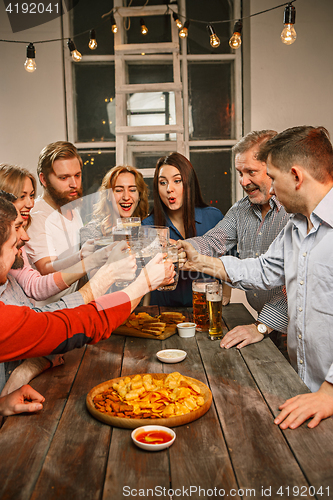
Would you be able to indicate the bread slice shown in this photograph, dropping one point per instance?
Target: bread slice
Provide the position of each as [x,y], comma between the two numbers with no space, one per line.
[155,326]
[172,317]
[152,332]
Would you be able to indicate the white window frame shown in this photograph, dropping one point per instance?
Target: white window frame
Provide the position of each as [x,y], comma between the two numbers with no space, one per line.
[163,146]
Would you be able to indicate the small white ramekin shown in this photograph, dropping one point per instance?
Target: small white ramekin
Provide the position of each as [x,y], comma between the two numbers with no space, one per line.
[186,330]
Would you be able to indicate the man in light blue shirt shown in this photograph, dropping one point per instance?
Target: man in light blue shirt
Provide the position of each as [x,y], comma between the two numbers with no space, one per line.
[300,164]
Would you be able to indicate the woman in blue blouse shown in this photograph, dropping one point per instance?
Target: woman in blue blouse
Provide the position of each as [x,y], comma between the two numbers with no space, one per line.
[178,204]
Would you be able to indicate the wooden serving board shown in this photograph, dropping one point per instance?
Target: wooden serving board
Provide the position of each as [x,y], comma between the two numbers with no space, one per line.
[134,332]
[128,423]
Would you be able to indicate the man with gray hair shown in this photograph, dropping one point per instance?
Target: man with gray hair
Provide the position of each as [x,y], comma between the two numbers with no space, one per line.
[300,164]
[252,224]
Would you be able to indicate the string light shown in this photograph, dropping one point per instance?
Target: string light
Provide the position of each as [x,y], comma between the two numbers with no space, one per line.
[76,55]
[30,63]
[92,42]
[288,35]
[236,39]
[144,29]
[114,27]
[177,21]
[184,31]
[213,38]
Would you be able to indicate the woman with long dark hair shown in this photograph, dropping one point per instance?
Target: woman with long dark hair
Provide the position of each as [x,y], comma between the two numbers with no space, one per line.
[178,204]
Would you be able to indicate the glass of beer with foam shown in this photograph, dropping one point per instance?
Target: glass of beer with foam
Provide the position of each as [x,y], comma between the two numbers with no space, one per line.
[200,312]
[214,306]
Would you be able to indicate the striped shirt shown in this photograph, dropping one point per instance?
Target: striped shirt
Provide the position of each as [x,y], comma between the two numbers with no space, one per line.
[244,226]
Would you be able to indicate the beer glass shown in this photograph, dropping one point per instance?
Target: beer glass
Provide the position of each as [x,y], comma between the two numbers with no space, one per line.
[214,306]
[134,247]
[158,236]
[102,242]
[131,223]
[172,254]
[200,313]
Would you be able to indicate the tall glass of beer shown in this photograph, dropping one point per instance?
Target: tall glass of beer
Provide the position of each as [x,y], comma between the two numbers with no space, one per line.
[214,306]
[131,223]
[200,312]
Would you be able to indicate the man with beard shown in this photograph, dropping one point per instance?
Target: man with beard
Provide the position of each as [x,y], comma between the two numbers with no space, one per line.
[252,224]
[56,222]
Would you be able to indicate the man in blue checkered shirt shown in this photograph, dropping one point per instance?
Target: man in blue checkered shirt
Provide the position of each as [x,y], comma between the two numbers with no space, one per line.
[252,224]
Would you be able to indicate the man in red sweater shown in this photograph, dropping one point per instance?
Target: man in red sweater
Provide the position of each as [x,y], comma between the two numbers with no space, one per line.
[26,333]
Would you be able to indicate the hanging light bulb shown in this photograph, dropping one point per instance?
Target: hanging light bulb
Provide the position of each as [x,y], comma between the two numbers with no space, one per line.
[213,38]
[76,55]
[144,29]
[92,42]
[288,35]
[236,39]
[184,32]
[177,21]
[114,27]
[30,63]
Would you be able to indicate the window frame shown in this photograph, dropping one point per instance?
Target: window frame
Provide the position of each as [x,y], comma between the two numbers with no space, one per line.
[185,58]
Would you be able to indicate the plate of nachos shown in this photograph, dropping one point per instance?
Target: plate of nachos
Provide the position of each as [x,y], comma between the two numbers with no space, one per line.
[149,398]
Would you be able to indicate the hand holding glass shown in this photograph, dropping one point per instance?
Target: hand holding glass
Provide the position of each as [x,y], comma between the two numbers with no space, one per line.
[172,254]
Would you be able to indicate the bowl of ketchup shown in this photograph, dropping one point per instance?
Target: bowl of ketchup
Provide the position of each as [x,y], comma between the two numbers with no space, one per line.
[153,437]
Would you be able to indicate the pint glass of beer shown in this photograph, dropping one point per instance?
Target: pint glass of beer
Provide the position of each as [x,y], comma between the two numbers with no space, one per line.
[200,312]
[214,306]
[131,223]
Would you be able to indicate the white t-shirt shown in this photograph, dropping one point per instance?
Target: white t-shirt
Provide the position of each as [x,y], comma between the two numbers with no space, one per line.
[52,235]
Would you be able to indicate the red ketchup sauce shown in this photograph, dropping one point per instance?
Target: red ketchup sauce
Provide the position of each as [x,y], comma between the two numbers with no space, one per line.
[153,437]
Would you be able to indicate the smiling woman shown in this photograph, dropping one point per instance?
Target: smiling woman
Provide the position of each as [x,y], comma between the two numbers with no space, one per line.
[21,183]
[123,193]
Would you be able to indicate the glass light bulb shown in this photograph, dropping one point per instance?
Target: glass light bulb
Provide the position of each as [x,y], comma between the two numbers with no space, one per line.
[144,30]
[235,41]
[288,35]
[183,33]
[92,44]
[30,65]
[114,28]
[179,24]
[76,55]
[214,40]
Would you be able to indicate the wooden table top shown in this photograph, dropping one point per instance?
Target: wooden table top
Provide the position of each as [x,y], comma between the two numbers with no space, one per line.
[234,450]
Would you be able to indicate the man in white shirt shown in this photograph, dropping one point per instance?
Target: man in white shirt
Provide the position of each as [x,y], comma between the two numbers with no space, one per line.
[300,164]
[56,222]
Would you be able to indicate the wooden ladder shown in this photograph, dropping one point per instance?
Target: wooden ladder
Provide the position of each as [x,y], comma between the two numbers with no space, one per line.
[124,52]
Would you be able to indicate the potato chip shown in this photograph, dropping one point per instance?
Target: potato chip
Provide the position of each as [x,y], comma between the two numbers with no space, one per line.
[145,397]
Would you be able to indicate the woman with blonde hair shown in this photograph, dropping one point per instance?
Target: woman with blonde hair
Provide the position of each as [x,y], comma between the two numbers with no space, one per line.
[123,193]
[22,184]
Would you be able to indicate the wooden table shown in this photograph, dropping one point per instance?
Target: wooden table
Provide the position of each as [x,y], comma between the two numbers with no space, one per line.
[235,448]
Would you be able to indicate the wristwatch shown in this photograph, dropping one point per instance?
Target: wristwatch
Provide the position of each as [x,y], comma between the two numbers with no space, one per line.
[262,328]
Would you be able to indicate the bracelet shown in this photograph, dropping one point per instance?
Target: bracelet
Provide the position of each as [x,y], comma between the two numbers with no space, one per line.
[147,279]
